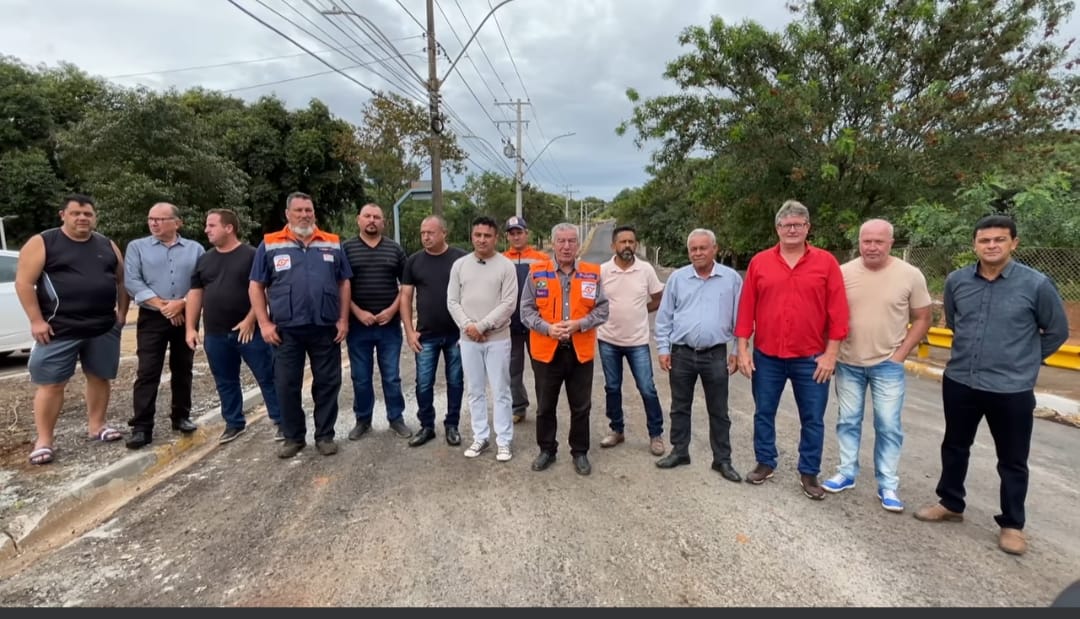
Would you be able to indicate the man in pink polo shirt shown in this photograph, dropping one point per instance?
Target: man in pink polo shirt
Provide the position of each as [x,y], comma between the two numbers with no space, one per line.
[633,291]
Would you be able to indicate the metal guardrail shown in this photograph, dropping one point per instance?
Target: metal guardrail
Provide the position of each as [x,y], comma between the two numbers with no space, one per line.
[1067,357]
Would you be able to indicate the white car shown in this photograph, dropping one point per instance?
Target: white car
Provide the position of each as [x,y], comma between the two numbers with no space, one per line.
[14,327]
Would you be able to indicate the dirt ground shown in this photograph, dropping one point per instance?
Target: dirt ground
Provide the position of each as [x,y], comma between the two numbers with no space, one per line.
[71,439]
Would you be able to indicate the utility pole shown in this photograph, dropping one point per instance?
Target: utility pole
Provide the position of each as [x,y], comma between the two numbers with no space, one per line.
[436,119]
[520,176]
[433,84]
[566,211]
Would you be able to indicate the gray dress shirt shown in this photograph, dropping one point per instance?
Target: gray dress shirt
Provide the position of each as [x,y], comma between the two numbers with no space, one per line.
[1002,328]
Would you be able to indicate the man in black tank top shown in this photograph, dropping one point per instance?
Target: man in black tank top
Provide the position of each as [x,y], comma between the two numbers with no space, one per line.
[70,282]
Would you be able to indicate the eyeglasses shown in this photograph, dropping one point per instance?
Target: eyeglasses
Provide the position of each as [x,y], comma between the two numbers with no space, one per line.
[792,227]
[159,220]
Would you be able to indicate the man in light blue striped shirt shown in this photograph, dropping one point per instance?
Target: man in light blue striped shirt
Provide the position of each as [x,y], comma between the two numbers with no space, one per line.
[157,274]
[694,324]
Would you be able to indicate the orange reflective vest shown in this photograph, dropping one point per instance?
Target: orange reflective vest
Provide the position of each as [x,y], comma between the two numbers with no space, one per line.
[584,284]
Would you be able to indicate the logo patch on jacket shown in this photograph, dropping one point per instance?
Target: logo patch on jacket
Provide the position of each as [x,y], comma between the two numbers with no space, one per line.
[282,263]
[588,290]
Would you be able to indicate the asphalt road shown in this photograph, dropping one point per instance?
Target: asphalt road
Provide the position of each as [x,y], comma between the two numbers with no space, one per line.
[383,524]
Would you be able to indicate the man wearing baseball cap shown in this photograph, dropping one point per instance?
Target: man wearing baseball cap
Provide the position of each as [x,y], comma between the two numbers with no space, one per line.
[523,256]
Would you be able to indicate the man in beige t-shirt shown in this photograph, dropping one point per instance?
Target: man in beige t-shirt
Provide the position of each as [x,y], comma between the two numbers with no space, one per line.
[884,294]
[633,291]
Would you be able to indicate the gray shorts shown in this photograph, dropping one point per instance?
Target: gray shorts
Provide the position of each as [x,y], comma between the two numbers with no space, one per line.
[54,363]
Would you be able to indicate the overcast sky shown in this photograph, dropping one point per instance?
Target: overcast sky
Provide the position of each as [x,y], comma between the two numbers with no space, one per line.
[572,59]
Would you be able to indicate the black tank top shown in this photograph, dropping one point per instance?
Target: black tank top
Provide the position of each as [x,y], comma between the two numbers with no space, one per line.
[77,287]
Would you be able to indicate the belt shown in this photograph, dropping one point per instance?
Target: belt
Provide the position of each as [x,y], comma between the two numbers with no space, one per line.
[701,350]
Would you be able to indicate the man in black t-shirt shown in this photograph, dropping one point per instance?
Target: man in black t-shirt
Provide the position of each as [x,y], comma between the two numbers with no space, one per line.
[219,290]
[427,272]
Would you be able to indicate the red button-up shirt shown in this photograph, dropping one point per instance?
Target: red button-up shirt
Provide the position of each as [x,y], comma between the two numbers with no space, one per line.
[792,311]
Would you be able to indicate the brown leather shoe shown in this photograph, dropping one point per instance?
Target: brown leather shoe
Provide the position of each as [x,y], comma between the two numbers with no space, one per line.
[759,474]
[811,488]
[656,445]
[1012,541]
[612,439]
[937,513]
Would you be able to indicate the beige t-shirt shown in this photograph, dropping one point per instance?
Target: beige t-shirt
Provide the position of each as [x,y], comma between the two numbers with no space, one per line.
[628,293]
[880,303]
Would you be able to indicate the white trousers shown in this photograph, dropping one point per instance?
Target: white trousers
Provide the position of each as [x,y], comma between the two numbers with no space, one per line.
[488,363]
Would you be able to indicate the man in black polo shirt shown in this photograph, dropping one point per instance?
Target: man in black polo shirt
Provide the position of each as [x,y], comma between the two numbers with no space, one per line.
[374,326]
[427,272]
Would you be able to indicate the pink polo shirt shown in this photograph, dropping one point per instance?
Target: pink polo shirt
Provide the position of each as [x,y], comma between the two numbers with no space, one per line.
[628,292]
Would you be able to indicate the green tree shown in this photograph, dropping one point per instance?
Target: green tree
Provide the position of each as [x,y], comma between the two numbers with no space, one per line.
[394,147]
[150,148]
[858,107]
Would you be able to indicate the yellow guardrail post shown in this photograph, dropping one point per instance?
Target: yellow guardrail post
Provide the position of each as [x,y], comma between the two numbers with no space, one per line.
[1067,357]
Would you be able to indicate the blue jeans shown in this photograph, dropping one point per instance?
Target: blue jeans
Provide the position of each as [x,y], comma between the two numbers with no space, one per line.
[366,345]
[640,360]
[223,353]
[427,362]
[886,381]
[770,376]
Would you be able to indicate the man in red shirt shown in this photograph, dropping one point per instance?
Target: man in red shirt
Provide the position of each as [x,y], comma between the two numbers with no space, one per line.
[793,303]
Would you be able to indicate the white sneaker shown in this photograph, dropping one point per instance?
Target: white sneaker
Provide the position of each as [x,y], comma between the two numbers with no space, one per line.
[477,448]
[504,454]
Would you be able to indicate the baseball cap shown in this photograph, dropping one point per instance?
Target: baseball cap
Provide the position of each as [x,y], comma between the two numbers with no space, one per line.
[516,222]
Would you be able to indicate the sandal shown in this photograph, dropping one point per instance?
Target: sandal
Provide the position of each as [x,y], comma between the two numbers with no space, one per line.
[42,455]
[108,435]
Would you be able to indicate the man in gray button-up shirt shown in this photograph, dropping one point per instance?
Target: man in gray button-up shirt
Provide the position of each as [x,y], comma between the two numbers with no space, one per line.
[1006,318]
[157,274]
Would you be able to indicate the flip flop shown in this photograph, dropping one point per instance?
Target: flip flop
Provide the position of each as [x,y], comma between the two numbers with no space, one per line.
[42,455]
[108,435]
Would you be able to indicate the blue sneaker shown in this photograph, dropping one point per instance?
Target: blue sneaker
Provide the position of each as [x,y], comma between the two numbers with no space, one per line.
[837,483]
[890,501]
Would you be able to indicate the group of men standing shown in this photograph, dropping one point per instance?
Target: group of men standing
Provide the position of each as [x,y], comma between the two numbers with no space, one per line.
[798,316]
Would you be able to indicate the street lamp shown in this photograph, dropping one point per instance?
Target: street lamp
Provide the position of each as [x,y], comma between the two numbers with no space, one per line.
[432,84]
[521,172]
[3,236]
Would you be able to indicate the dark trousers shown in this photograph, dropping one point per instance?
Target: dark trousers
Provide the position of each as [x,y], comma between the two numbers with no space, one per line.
[1010,417]
[519,349]
[154,335]
[564,368]
[318,345]
[711,365]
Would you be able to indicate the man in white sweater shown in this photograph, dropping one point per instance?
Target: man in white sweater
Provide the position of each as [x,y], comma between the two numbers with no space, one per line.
[481,297]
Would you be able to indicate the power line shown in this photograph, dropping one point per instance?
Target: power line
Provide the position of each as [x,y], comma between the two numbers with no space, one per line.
[388,47]
[407,11]
[402,83]
[294,79]
[404,89]
[457,70]
[311,53]
[484,52]
[510,54]
[236,62]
